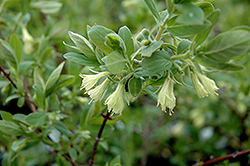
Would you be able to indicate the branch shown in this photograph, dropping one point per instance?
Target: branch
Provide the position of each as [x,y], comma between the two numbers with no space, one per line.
[8,76]
[70,160]
[28,100]
[220,159]
[97,139]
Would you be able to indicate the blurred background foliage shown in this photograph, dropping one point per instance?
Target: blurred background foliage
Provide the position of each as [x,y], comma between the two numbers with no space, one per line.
[200,128]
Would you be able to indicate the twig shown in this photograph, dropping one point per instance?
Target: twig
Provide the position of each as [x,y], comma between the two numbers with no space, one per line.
[97,139]
[220,159]
[28,100]
[8,77]
[70,160]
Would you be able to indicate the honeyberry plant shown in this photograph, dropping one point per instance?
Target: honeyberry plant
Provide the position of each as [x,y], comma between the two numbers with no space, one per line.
[156,60]
[177,51]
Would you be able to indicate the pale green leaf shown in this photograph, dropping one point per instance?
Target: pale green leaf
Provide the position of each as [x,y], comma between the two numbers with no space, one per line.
[83,44]
[115,62]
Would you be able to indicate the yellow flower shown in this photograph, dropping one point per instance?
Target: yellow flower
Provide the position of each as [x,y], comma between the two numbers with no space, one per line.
[115,100]
[89,81]
[28,41]
[208,84]
[96,92]
[166,96]
[198,86]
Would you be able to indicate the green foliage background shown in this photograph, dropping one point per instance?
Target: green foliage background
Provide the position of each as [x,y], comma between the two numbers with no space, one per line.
[200,128]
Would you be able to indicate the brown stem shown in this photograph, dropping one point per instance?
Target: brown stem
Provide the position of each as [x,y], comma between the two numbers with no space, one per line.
[66,156]
[28,100]
[97,139]
[8,76]
[220,159]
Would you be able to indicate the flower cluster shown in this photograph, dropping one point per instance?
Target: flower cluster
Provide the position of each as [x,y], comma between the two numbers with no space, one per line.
[166,99]
[114,101]
[206,86]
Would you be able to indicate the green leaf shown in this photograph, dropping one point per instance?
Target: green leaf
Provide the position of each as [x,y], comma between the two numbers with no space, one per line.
[8,52]
[36,119]
[127,37]
[40,96]
[159,61]
[9,98]
[150,92]
[38,79]
[184,1]
[135,86]
[152,47]
[203,60]
[207,7]
[47,7]
[6,115]
[64,80]
[170,5]
[10,128]
[97,35]
[16,44]
[115,42]
[60,126]
[116,161]
[115,62]
[200,38]
[53,77]
[81,59]
[183,46]
[24,66]
[191,14]
[72,153]
[83,44]
[186,30]
[152,7]
[20,102]
[18,145]
[228,45]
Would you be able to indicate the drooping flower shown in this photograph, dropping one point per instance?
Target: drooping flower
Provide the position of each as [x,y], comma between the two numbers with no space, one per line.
[115,100]
[89,81]
[198,86]
[28,41]
[208,84]
[166,96]
[96,92]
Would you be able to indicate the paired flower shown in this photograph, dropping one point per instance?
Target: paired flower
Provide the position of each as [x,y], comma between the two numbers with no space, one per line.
[115,100]
[96,92]
[166,96]
[207,87]
[89,81]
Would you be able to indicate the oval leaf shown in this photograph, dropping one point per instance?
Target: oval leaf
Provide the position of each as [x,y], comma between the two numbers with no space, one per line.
[97,35]
[159,61]
[115,62]
[135,86]
[228,45]
[36,119]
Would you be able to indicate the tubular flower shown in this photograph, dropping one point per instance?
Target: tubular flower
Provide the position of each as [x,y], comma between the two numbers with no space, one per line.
[198,86]
[208,84]
[28,41]
[115,100]
[166,96]
[90,80]
[96,92]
